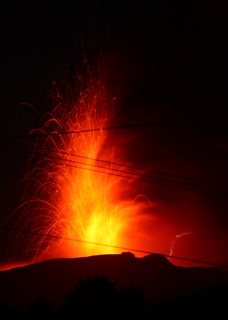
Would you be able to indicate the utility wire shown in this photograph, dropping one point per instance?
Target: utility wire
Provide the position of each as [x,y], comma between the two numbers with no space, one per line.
[129,175]
[128,126]
[114,247]
[112,164]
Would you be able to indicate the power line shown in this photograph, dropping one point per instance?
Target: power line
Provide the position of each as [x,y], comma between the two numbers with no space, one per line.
[127,126]
[125,175]
[114,247]
[130,175]
[112,163]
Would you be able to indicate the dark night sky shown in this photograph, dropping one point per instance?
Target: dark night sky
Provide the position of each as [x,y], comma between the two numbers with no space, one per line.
[171,64]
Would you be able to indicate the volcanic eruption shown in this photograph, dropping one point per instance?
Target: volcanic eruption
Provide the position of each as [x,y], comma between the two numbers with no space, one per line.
[79,198]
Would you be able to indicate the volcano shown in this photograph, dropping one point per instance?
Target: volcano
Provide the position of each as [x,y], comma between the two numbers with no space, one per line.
[158,278]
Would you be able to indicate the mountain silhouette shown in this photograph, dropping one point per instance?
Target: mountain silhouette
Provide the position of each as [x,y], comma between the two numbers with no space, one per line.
[158,278]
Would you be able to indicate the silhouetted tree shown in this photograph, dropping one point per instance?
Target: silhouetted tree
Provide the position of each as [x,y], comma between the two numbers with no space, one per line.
[40,309]
[98,298]
[7,312]
[131,298]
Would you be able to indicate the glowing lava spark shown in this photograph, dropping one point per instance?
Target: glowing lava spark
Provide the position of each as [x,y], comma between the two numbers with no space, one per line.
[177,236]
[74,192]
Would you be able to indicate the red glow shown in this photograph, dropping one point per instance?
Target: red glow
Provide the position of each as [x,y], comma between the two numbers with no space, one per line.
[72,195]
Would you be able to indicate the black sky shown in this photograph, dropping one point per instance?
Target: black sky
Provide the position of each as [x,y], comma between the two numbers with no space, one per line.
[171,64]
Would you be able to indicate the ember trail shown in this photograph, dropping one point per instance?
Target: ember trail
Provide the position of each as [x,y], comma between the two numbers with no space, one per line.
[73,201]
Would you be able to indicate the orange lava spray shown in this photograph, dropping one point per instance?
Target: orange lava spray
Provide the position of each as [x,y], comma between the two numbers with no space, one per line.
[73,193]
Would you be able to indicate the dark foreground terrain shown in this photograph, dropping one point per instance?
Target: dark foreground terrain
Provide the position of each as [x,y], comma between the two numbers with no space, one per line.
[169,291]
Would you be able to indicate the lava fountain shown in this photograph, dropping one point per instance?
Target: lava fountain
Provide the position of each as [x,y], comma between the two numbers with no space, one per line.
[76,201]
